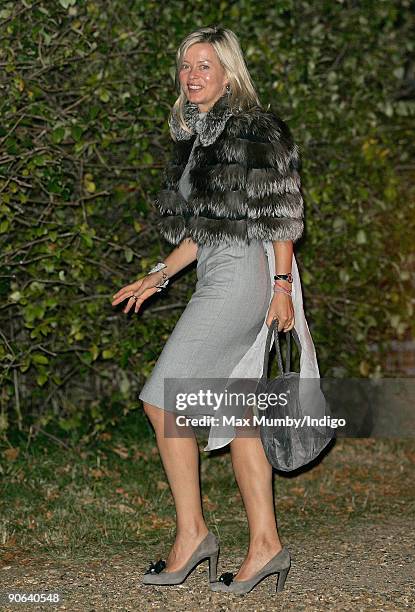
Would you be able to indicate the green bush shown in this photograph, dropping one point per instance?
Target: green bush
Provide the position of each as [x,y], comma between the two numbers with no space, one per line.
[86,88]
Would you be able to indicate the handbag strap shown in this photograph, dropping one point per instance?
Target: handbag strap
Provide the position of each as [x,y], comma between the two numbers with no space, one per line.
[267,349]
[273,328]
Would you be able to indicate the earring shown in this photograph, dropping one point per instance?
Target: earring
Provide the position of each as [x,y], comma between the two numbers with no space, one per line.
[228,88]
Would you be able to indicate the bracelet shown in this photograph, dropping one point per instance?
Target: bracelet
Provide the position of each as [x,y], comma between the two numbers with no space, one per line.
[165,278]
[282,289]
[277,284]
[276,289]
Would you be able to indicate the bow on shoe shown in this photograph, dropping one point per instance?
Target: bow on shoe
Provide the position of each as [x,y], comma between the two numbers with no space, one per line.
[226,577]
[156,568]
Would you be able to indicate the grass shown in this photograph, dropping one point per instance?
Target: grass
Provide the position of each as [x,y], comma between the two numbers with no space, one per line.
[80,503]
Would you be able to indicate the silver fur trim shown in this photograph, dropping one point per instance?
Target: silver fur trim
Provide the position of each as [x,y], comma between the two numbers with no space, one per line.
[208,127]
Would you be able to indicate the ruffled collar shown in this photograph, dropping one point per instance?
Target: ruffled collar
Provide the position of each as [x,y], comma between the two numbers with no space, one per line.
[208,126]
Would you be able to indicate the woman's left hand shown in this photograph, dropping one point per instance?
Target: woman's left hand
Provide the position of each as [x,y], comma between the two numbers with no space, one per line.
[281,308]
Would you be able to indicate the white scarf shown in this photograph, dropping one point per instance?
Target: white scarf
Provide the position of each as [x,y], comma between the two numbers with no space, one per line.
[250,366]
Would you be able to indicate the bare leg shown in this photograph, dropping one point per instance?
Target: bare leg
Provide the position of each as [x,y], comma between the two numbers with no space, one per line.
[180,457]
[254,477]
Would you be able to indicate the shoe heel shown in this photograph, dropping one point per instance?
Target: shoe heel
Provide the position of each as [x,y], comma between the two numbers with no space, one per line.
[282,575]
[213,564]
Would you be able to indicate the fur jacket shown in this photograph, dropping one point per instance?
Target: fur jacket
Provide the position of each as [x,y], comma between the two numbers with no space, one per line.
[244,179]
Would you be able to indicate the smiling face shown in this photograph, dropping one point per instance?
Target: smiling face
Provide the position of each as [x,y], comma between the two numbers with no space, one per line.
[202,77]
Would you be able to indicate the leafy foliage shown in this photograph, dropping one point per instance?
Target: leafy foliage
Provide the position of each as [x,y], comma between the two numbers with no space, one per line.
[86,87]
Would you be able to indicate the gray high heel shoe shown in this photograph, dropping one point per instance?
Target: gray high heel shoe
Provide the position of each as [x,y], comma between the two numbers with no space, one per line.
[207,549]
[279,564]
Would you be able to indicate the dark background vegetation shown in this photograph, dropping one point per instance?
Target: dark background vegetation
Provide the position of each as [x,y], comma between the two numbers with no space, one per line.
[86,89]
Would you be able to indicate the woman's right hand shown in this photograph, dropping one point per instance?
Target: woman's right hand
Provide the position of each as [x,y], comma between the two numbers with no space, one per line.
[143,288]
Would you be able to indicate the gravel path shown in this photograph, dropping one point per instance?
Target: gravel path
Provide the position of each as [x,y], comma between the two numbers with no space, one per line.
[359,566]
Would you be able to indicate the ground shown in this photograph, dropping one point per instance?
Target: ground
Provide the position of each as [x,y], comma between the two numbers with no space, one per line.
[348,522]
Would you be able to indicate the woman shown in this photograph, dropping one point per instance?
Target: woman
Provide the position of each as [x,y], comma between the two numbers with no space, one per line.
[232,185]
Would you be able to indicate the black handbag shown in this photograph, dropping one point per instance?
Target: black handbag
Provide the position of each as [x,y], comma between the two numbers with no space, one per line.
[292,412]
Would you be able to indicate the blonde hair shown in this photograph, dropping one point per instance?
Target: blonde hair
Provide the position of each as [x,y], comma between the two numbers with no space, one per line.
[242,96]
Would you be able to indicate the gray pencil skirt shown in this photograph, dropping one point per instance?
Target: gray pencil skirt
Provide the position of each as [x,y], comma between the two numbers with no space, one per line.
[221,321]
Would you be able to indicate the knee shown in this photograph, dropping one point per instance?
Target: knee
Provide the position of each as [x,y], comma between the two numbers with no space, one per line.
[154,413]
